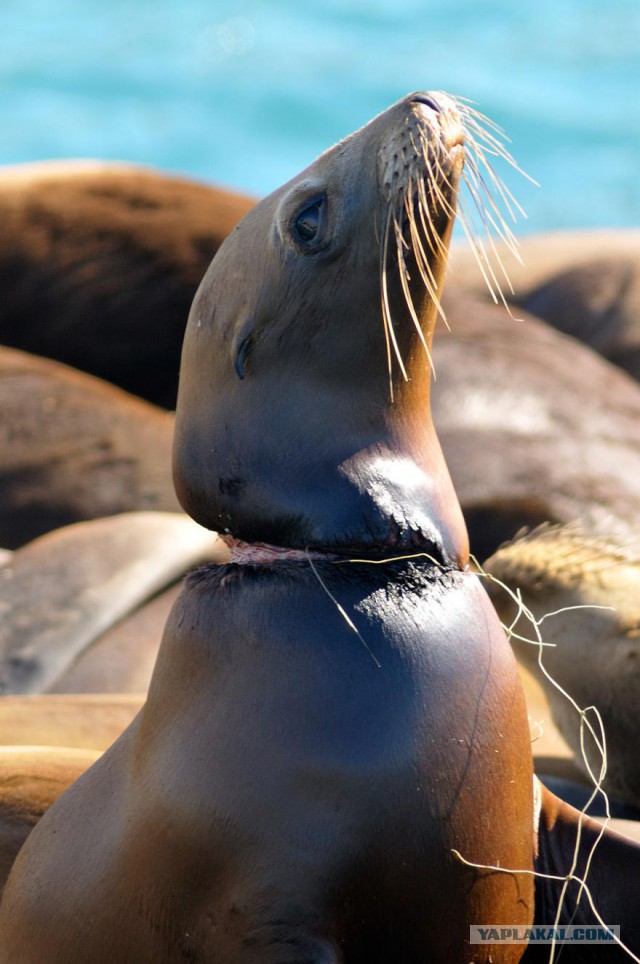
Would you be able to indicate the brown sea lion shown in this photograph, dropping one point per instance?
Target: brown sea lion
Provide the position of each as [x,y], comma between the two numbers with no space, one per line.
[594,649]
[540,256]
[598,302]
[535,428]
[64,590]
[271,835]
[74,448]
[584,283]
[310,816]
[99,263]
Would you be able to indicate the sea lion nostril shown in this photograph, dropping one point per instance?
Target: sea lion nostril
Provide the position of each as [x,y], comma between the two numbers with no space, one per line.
[428,100]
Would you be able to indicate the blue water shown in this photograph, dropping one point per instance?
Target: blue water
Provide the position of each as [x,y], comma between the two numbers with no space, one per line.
[246,93]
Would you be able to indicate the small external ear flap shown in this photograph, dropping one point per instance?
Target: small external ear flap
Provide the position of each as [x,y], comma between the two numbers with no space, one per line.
[241,345]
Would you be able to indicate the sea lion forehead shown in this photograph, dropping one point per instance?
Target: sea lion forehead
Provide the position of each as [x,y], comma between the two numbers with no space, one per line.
[389,148]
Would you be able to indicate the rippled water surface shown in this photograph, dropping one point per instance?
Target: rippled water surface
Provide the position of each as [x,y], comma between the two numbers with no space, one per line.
[246,93]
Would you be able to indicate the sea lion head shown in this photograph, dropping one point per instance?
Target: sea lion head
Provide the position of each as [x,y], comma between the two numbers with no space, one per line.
[303,416]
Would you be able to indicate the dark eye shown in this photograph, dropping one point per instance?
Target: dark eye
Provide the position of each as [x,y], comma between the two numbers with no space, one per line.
[308,222]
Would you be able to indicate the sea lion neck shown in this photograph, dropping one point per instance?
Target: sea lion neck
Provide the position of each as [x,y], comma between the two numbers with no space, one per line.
[303,415]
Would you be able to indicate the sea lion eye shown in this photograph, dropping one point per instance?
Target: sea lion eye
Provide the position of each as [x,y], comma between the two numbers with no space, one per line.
[308,222]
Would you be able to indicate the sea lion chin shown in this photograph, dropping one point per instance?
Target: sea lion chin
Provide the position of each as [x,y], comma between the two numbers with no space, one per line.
[318,312]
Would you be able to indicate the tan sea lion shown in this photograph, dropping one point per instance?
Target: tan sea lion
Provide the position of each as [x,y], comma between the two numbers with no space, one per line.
[99,263]
[74,448]
[294,790]
[82,721]
[31,778]
[598,302]
[64,590]
[594,651]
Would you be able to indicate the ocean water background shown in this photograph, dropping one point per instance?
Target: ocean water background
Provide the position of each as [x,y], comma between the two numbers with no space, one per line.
[246,93]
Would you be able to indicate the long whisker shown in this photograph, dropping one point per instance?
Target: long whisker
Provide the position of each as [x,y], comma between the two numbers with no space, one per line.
[390,335]
[425,197]
[404,281]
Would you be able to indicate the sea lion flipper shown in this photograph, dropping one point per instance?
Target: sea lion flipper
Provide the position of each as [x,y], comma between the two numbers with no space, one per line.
[569,843]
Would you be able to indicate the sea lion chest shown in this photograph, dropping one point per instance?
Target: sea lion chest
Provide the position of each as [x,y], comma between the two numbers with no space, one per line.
[294,790]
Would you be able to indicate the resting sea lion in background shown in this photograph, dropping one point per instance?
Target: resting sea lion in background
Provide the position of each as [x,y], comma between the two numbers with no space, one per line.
[121,660]
[597,302]
[75,448]
[595,654]
[99,263]
[535,428]
[584,283]
[64,590]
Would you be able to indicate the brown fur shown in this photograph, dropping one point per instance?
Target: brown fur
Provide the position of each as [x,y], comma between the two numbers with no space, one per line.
[99,264]
[31,779]
[586,284]
[75,448]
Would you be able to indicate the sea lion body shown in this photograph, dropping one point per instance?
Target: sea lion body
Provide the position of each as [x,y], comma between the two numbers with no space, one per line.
[75,448]
[99,263]
[583,283]
[598,302]
[320,825]
[592,586]
[121,660]
[535,428]
[63,591]
[82,721]
[572,849]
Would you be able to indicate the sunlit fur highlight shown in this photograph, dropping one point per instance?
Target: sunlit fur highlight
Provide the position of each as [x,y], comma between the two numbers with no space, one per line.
[558,557]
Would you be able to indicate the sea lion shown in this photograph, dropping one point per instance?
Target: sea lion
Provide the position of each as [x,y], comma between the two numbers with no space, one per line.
[535,428]
[594,651]
[294,790]
[584,283]
[540,256]
[99,263]
[61,592]
[75,448]
[598,302]
[314,815]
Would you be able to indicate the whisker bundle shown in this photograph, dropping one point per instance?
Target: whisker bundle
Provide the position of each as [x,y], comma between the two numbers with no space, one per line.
[422,191]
